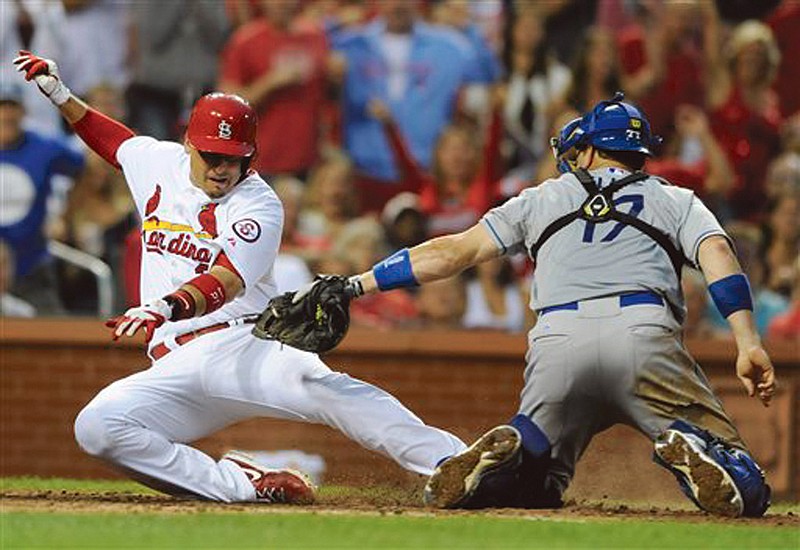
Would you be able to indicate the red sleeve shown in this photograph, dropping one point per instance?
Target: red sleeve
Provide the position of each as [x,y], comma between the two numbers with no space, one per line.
[412,173]
[102,134]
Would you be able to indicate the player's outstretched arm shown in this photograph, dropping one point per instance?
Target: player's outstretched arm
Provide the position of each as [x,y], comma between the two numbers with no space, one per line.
[730,291]
[432,260]
[102,134]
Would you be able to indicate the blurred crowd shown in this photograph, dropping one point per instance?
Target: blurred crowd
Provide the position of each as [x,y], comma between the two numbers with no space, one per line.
[386,122]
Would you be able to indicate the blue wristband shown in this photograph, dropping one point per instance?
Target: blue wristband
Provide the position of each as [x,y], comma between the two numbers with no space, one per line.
[731,294]
[395,271]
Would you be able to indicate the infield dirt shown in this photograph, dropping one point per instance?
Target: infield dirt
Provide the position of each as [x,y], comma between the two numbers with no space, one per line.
[372,502]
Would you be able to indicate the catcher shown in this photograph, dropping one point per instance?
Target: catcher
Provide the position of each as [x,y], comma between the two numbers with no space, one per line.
[211,231]
[609,242]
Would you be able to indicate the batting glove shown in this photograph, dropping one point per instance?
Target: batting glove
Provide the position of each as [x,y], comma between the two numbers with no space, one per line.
[45,73]
[149,316]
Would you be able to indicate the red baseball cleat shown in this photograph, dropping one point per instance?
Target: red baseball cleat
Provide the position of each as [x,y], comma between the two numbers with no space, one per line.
[274,486]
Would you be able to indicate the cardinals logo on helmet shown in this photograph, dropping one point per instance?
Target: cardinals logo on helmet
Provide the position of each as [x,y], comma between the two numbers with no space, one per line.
[207,219]
[225,129]
[152,202]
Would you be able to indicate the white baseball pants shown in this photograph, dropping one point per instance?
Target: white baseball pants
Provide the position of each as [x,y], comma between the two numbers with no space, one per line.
[143,422]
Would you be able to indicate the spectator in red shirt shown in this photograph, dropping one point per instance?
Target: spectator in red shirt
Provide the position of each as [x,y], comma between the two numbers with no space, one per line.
[462,185]
[663,63]
[785,24]
[279,65]
[241,12]
[744,108]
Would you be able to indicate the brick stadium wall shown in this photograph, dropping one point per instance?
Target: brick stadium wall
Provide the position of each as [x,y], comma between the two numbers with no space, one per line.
[465,382]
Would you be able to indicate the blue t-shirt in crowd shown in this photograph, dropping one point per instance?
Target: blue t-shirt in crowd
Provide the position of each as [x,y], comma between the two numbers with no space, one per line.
[26,171]
[440,61]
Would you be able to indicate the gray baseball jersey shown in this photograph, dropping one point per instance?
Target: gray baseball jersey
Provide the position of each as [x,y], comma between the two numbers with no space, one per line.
[600,363]
[586,260]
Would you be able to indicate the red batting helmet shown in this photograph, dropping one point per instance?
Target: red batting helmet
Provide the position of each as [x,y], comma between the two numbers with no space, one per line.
[222,123]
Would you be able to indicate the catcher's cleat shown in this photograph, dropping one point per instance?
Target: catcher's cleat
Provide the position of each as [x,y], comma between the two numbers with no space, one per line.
[716,476]
[456,479]
[272,486]
[701,478]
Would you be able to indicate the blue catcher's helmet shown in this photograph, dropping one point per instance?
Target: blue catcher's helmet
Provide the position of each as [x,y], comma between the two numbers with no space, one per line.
[618,126]
[570,135]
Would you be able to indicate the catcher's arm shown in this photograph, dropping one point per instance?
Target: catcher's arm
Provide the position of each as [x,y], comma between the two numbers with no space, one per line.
[730,290]
[316,318]
[432,260]
[102,134]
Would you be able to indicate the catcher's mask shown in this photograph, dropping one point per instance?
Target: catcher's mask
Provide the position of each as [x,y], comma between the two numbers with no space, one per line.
[564,146]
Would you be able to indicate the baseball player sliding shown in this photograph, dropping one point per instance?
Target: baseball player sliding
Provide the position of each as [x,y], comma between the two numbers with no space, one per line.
[609,242]
[211,230]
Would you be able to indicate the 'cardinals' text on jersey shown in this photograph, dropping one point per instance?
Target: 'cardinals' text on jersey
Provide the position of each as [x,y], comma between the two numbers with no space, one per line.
[183,230]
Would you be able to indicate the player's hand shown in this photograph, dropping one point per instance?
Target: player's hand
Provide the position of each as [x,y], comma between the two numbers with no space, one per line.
[45,73]
[148,316]
[754,369]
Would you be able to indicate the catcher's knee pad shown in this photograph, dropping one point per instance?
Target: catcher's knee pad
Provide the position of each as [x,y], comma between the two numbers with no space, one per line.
[716,476]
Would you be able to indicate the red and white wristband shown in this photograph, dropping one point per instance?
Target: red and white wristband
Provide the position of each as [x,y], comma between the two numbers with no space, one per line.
[183,303]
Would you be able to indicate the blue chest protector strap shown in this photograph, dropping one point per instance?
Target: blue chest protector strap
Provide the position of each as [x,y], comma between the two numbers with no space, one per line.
[599,208]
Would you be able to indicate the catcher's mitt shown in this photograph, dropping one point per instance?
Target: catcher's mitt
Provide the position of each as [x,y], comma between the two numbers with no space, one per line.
[314,318]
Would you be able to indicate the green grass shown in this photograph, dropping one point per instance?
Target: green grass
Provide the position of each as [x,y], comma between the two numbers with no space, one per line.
[47,530]
[212,527]
[8,484]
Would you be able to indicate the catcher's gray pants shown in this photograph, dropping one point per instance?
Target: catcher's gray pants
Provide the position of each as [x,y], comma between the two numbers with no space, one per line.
[605,364]
[143,422]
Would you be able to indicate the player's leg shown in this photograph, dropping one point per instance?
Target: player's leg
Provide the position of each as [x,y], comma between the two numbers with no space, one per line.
[558,417]
[379,421]
[279,381]
[141,425]
[672,402]
[506,467]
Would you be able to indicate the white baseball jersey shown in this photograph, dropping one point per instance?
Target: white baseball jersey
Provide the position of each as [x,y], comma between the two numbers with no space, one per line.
[586,260]
[184,230]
